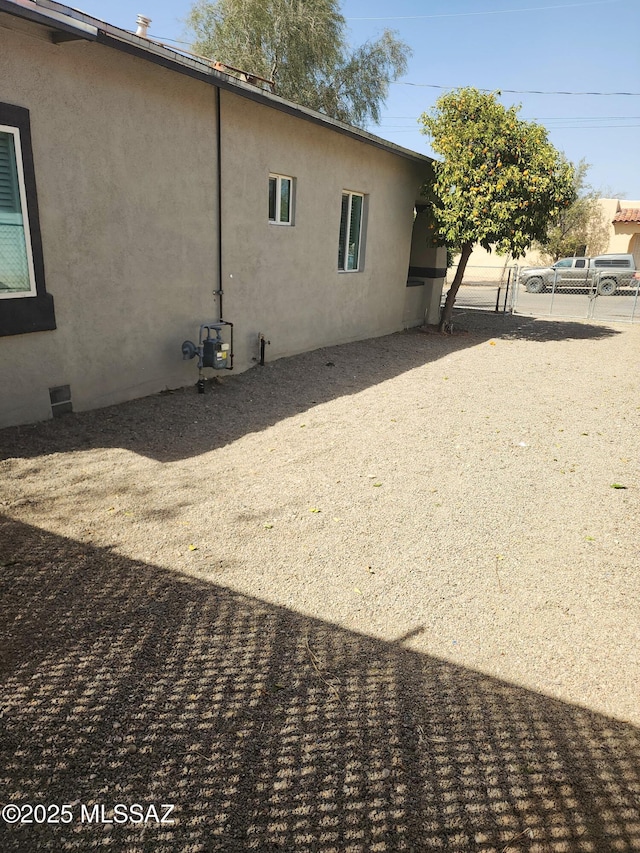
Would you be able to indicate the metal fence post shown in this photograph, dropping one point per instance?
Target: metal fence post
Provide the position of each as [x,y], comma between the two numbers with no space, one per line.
[553,291]
[593,295]
[635,301]
[506,292]
[515,289]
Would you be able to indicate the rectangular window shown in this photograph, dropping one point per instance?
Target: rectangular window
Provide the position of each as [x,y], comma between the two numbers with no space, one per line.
[17,278]
[350,232]
[25,304]
[280,199]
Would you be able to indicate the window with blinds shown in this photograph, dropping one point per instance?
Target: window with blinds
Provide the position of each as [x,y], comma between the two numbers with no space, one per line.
[26,306]
[16,264]
[350,232]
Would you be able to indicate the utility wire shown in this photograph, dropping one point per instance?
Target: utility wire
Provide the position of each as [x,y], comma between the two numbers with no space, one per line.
[552,118]
[405,129]
[450,15]
[166,38]
[514,91]
[434,86]
[491,12]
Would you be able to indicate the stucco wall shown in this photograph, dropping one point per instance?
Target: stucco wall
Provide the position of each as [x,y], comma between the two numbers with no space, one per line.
[624,236]
[427,272]
[126,171]
[124,157]
[284,281]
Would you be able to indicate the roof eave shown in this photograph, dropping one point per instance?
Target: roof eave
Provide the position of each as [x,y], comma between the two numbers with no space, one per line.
[65,19]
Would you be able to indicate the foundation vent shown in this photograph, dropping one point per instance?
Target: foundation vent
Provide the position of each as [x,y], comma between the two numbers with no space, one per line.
[60,400]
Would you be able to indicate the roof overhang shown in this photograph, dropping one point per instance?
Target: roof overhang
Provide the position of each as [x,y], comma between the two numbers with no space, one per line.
[67,23]
[64,25]
[628,214]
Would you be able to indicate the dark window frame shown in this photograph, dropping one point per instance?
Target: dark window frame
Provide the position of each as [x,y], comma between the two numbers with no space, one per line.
[22,315]
[344,241]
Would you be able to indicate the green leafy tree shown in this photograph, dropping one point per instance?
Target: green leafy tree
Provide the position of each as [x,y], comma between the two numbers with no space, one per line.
[499,181]
[580,228]
[301,45]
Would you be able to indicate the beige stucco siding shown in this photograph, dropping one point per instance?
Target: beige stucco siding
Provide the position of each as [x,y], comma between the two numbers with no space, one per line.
[283,280]
[125,165]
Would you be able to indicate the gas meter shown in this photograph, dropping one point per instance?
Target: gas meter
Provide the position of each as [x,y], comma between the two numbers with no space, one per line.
[212,350]
[215,354]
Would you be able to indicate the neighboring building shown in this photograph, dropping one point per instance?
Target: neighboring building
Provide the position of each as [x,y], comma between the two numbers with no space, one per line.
[622,217]
[625,227]
[137,183]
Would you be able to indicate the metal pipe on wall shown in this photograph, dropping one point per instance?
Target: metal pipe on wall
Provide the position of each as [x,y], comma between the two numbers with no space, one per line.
[219,166]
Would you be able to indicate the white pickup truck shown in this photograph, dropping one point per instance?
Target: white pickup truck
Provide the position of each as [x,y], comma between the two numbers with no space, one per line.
[603,274]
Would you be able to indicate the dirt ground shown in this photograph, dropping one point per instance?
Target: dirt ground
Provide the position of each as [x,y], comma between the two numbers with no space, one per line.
[379,597]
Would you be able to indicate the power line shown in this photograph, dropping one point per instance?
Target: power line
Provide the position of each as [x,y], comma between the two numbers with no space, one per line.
[577,118]
[515,91]
[454,14]
[508,91]
[166,38]
[491,12]
[552,118]
[405,129]
[591,126]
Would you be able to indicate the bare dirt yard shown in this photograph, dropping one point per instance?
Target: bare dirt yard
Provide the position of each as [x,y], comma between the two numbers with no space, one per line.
[379,597]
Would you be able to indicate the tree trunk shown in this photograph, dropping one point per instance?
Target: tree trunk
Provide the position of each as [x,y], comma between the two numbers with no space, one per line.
[447,308]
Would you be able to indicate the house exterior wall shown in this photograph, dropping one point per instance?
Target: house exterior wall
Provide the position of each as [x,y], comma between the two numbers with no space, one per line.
[624,236]
[126,171]
[125,168]
[427,273]
[283,281]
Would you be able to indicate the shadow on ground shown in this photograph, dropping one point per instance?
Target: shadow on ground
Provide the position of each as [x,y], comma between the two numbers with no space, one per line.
[269,731]
[182,424]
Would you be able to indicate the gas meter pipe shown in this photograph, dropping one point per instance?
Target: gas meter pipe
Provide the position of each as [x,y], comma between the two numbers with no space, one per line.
[219,163]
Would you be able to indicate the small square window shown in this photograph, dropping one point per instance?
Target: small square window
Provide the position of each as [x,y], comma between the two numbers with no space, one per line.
[280,199]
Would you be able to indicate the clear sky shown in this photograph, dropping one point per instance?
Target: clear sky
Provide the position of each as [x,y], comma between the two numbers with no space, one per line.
[550,46]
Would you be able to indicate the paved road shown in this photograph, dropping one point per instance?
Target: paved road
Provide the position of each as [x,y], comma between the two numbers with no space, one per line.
[620,307]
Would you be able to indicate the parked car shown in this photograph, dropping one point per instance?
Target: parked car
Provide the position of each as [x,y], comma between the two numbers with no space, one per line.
[604,274]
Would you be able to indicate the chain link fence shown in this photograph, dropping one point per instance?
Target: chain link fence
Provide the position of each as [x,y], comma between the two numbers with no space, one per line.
[594,294]
[484,288]
[606,294]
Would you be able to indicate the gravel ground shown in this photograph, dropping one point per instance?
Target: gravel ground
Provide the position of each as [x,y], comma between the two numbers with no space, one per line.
[377,597]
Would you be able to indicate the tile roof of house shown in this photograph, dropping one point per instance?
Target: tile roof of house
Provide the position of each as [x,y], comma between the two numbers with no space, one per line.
[628,214]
